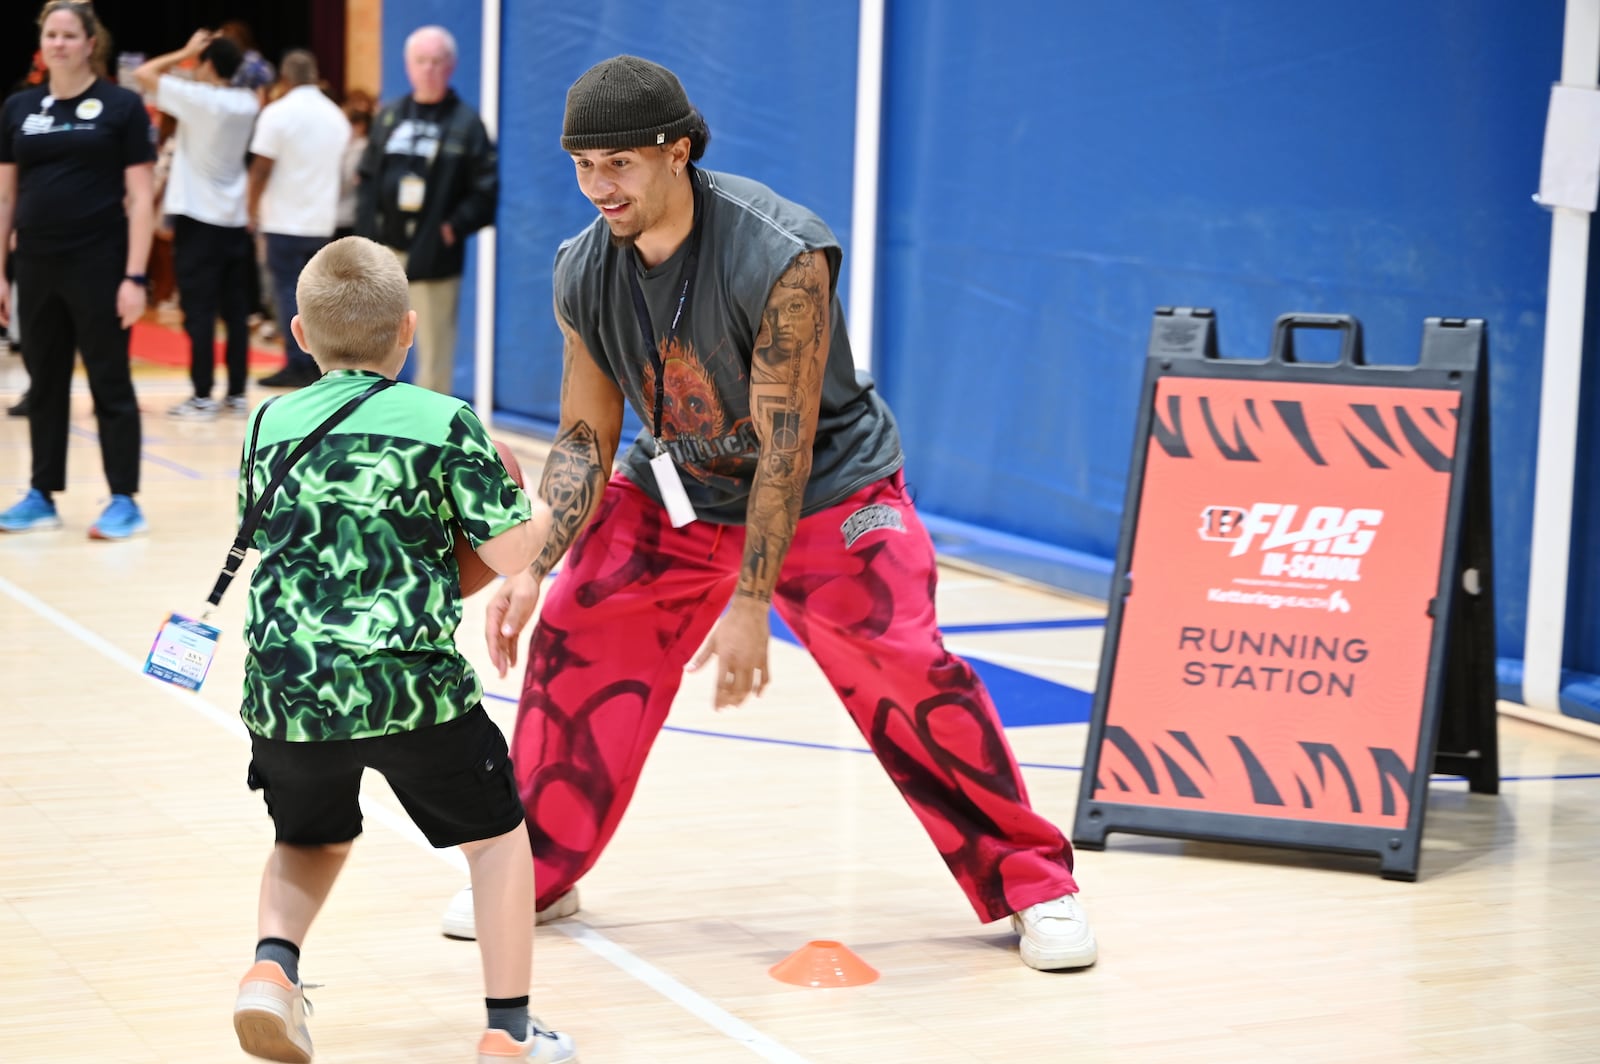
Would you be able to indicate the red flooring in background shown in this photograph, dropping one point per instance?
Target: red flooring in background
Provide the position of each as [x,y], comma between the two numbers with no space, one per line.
[167,346]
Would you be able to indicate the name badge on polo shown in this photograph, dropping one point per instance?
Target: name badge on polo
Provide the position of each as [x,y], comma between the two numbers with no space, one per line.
[182,652]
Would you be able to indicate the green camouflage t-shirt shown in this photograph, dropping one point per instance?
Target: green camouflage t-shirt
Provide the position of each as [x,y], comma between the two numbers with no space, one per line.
[356,598]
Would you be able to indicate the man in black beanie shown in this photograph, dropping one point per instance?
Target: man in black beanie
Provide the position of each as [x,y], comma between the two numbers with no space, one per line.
[767,476]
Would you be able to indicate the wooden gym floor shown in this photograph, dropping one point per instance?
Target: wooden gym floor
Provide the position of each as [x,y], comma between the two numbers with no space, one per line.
[130,852]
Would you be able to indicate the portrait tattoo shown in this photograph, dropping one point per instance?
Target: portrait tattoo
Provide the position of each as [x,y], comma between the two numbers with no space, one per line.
[786,375]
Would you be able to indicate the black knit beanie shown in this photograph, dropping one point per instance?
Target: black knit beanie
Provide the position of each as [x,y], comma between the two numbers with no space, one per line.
[625,102]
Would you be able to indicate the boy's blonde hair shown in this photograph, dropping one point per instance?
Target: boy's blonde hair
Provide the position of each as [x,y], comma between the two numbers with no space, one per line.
[353,299]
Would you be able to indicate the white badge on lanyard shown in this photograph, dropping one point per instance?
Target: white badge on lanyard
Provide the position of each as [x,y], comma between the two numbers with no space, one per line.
[679,509]
[412,190]
[182,652]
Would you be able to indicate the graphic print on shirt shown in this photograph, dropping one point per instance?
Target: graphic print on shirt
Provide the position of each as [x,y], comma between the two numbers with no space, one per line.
[34,125]
[706,439]
[415,137]
[356,596]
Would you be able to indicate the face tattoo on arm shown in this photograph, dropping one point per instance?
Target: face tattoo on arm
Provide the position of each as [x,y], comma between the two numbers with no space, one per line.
[575,471]
[786,370]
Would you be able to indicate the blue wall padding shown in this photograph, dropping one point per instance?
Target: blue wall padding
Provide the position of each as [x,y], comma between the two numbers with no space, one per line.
[1583,599]
[1055,172]
[1580,696]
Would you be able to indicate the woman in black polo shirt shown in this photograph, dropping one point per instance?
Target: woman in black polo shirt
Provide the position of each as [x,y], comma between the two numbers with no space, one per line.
[75,182]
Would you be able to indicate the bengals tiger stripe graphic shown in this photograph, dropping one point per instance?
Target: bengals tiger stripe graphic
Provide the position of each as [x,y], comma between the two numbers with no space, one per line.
[1381,437]
[1314,776]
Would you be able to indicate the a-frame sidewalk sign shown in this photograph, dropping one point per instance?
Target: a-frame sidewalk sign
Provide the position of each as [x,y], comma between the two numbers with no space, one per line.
[1301,623]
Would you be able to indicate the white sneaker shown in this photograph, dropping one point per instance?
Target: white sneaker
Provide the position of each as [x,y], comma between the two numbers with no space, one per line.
[1056,935]
[195,408]
[542,1046]
[459,921]
[559,909]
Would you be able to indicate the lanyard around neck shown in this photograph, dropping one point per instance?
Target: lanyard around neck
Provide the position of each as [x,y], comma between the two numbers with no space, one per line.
[642,309]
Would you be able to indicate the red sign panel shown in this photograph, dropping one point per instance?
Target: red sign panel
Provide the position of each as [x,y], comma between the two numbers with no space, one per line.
[1272,657]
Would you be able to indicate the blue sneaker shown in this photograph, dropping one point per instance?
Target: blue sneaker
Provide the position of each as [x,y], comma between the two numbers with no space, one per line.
[35,513]
[120,520]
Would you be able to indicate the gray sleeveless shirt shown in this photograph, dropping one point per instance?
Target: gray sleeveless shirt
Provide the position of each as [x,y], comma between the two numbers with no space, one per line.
[751,236]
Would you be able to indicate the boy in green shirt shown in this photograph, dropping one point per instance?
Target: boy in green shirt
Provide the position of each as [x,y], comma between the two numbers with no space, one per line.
[352,662]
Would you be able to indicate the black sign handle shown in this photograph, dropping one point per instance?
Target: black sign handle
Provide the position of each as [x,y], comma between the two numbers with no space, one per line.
[1351,351]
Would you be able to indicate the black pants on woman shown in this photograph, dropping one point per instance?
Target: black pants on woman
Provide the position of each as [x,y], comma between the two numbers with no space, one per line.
[69,303]
[214,265]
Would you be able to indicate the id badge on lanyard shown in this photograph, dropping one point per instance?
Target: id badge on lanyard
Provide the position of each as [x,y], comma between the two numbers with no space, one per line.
[413,189]
[679,508]
[668,480]
[182,652]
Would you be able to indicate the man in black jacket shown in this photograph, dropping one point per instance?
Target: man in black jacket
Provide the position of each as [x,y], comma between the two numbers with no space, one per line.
[429,179]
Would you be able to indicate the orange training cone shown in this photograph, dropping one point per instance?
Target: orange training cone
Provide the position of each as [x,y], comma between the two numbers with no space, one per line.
[824,963]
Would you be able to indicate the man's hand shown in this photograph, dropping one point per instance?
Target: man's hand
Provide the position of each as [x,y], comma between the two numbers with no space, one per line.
[130,303]
[448,234]
[739,645]
[507,614]
[197,43]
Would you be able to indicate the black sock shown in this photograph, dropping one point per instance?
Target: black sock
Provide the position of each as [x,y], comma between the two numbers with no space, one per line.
[285,953]
[509,1015]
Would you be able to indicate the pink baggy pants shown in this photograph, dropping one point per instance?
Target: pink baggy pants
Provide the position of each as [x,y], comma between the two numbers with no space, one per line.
[637,598]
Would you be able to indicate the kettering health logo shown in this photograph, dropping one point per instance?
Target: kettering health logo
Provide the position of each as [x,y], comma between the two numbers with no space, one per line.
[1327,543]
[1334,602]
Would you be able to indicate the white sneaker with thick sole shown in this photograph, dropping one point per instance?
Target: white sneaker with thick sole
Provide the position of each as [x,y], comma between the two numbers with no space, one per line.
[459,921]
[1056,935]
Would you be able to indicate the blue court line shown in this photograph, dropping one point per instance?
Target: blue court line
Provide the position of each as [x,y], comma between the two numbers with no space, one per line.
[1065,768]
[1022,699]
[144,455]
[1023,626]
[706,733]
[181,470]
[797,743]
[1527,779]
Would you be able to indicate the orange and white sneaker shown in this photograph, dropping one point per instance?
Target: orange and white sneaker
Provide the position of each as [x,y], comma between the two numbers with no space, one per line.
[269,1015]
[542,1046]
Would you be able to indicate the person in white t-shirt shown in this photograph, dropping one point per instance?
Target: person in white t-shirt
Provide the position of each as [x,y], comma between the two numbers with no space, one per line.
[295,179]
[358,106]
[205,197]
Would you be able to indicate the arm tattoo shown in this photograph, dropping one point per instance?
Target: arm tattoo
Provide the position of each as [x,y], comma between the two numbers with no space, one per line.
[571,484]
[575,470]
[786,371]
